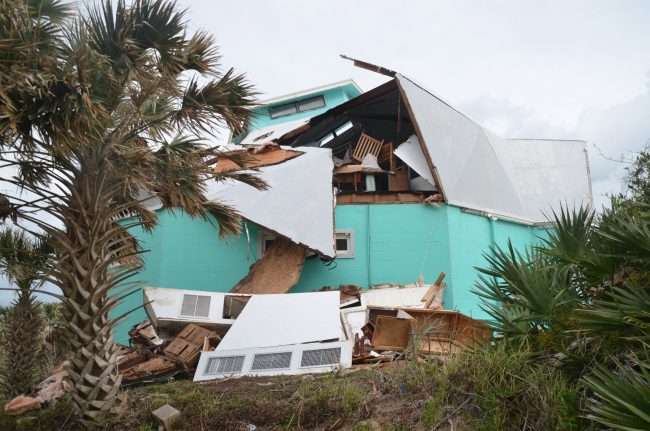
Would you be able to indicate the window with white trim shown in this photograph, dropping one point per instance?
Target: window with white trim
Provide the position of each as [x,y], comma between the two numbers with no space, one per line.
[266,239]
[295,107]
[195,306]
[344,243]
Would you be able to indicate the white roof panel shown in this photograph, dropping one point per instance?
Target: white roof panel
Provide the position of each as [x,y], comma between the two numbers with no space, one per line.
[550,173]
[480,170]
[299,203]
[269,133]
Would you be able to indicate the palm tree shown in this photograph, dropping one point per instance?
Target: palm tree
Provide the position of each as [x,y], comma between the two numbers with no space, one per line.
[22,260]
[104,113]
[583,297]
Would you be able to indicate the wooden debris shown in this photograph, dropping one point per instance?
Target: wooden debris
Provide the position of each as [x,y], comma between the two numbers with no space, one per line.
[391,333]
[257,157]
[21,404]
[277,271]
[186,347]
[433,297]
[152,368]
[144,336]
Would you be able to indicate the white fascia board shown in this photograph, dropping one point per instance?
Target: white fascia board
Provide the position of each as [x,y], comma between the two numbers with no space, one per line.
[297,350]
[285,319]
[299,203]
[309,91]
[394,297]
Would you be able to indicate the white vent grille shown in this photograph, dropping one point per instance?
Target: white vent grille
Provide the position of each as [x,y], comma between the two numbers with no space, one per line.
[314,358]
[272,361]
[225,365]
[195,306]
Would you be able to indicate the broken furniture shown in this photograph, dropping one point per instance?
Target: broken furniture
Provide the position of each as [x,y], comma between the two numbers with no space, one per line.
[428,331]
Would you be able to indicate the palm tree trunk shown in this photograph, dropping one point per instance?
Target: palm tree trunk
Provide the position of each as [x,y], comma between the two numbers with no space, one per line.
[23,343]
[84,275]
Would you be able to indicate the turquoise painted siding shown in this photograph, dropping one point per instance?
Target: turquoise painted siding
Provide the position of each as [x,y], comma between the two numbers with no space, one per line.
[186,253]
[392,244]
[470,236]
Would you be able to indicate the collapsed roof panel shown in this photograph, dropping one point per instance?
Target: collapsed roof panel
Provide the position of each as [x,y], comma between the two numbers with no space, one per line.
[279,320]
[550,173]
[465,156]
[298,204]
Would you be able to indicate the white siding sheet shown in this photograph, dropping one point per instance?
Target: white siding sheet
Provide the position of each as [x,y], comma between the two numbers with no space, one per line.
[278,320]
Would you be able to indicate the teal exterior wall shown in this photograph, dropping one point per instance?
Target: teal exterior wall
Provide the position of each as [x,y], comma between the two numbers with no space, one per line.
[393,243]
[187,253]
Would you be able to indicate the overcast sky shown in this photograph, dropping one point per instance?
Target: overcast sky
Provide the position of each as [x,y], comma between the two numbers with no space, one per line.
[534,69]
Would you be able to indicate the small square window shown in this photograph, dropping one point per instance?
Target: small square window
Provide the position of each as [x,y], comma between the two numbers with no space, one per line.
[266,240]
[344,243]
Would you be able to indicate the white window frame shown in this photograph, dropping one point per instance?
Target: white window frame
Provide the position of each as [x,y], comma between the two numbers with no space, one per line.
[261,240]
[180,310]
[347,234]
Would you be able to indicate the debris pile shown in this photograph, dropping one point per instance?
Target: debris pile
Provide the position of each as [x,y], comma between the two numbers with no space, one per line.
[211,335]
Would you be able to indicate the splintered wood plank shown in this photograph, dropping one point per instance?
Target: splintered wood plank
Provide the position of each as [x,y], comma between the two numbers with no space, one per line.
[277,271]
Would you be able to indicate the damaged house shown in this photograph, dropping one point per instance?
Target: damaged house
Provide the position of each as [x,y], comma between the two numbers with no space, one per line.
[388,187]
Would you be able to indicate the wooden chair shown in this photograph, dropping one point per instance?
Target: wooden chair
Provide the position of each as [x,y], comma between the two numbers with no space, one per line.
[367,145]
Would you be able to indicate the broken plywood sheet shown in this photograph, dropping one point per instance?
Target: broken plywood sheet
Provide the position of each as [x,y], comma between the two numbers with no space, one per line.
[277,271]
[298,205]
[277,320]
[269,155]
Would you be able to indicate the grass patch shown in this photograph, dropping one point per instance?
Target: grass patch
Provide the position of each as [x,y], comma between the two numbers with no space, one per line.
[491,389]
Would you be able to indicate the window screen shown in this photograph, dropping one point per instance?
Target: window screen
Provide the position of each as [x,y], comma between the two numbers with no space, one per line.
[195,306]
[341,244]
[224,365]
[272,361]
[314,358]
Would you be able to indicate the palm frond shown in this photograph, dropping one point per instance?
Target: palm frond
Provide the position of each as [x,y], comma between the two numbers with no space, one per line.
[622,397]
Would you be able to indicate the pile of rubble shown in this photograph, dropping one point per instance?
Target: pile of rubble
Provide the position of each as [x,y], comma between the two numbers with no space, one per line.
[211,335]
